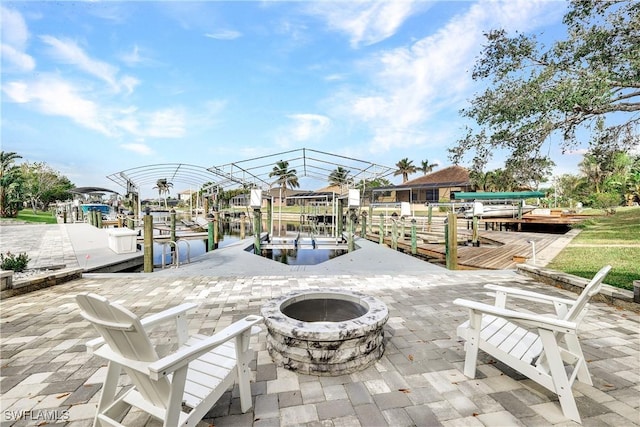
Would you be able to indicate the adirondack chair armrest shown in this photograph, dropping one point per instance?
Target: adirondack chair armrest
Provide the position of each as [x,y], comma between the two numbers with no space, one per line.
[184,355]
[530,296]
[534,320]
[148,322]
[106,353]
[167,315]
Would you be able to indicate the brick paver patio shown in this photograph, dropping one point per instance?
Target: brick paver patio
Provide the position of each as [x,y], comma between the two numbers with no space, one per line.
[418,381]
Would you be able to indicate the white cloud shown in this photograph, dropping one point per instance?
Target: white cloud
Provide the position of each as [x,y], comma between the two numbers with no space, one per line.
[334,77]
[20,60]
[129,83]
[167,123]
[224,35]
[14,29]
[134,57]
[307,126]
[411,85]
[143,149]
[69,52]
[366,22]
[15,36]
[53,96]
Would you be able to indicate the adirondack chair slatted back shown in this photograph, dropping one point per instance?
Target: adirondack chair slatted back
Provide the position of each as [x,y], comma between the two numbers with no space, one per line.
[124,334]
[577,311]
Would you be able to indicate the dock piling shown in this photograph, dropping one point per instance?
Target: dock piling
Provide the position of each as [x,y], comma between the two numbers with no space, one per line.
[256,229]
[414,240]
[148,241]
[172,223]
[242,227]
[211,231]
[451,241]
[364,224]
[217,226]
[394,235]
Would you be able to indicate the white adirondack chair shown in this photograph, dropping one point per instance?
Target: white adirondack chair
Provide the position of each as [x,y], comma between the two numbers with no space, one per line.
[538,346]
[178,389]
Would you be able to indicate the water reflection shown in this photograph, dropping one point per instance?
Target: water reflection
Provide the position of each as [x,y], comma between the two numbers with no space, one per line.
[302,256]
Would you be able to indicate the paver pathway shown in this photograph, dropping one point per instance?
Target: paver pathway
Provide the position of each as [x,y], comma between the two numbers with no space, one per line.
[418,381]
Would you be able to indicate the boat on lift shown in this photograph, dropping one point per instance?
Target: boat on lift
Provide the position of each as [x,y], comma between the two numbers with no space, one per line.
[498,211]
[508,204]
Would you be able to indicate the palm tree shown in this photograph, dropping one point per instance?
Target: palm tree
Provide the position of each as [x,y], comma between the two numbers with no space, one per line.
[339,176]
[9,178]
[427,167]
[285,178]
[405,168]
[163,186]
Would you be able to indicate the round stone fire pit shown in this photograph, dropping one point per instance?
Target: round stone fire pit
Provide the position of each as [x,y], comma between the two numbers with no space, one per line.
[325,332]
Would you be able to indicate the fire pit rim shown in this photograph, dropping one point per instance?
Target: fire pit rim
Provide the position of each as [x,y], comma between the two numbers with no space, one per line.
[376,316]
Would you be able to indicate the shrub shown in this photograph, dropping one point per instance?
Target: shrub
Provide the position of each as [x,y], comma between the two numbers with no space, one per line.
[604,200]
[15,263]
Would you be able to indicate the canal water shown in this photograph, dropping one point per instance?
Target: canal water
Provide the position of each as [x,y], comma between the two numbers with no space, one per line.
[189,249]
[302,256]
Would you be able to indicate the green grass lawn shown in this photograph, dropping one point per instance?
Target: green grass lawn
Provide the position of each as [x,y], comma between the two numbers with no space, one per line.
[28,216]
[614,240]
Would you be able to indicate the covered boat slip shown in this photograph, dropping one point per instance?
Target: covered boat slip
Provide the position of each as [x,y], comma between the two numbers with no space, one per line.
[505,204]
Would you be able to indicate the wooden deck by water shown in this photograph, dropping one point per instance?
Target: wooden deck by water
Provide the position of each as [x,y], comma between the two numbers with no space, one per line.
[497,250]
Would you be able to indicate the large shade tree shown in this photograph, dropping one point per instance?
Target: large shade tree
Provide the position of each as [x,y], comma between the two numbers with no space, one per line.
[589,81]
[43,185]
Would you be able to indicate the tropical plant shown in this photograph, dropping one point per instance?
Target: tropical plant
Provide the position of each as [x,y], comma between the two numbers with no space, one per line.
[427,167]
[632,184]
[405,168]
[13,262]
[587,81]
[10,183]
[163,186]
[339,176]
[285,177]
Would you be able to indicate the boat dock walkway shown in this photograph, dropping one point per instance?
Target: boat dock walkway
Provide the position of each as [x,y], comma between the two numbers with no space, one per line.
[66,245]
[499,254]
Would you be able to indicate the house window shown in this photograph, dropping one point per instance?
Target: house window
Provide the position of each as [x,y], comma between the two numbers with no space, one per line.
[432,195]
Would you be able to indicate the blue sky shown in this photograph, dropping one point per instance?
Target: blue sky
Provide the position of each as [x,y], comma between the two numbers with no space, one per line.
[98,87]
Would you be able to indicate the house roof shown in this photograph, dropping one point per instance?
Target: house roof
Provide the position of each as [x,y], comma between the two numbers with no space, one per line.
[446,177]
[330,189]
[451,174]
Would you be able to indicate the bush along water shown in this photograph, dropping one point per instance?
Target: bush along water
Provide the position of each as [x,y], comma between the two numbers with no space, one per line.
[12,262]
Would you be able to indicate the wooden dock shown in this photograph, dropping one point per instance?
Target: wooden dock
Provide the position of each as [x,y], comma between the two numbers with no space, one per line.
[531,222]
[497,253]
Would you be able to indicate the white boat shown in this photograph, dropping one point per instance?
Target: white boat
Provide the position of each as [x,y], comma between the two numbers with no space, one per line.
[499,211]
